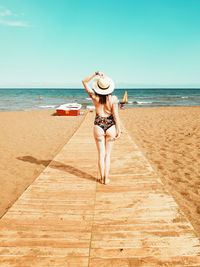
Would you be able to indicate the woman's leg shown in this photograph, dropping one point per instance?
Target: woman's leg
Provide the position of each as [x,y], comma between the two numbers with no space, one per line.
[100,143]
[110,134]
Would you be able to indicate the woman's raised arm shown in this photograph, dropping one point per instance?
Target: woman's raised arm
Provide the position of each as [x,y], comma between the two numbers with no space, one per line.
[86,85]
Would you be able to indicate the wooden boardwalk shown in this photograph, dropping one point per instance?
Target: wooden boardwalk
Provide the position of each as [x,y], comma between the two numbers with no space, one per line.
[67,218]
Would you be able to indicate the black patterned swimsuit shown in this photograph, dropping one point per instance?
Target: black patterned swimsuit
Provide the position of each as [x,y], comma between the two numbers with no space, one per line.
[104,122]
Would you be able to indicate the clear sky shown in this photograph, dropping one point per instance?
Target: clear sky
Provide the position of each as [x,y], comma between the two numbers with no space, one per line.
[138,43]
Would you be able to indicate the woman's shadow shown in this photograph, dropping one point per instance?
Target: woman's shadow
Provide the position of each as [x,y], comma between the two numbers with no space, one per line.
[60,166]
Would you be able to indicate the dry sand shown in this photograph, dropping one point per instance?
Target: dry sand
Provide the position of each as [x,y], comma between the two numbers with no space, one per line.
[169,137]
[29,140]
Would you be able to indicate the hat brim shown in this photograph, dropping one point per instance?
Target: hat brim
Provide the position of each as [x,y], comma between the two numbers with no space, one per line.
[103,91]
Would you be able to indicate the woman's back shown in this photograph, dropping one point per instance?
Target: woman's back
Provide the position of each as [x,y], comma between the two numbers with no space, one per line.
[104,110]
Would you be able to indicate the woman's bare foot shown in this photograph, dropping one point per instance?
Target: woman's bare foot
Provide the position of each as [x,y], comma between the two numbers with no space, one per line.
[101,180]
[107,181]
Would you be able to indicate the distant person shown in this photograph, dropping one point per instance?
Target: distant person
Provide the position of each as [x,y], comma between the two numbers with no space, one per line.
[106,123]
[122,105]
[124,101]
[40,96]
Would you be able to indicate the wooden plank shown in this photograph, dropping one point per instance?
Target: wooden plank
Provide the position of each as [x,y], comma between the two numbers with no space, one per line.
[149,261]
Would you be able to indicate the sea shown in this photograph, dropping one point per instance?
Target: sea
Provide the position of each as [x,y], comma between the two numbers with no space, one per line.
[49,99]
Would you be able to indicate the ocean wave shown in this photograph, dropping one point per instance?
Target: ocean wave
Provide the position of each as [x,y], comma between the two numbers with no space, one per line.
[184,96]
[143,102]
[88,98]
[48,106]
[90,107]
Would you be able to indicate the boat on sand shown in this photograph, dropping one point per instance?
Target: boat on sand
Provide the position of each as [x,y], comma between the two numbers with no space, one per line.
[69,109]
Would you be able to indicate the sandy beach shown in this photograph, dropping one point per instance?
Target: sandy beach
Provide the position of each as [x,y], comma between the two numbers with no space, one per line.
[29,140]
[168,136]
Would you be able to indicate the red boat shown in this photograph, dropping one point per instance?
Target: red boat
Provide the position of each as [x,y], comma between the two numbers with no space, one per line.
[70,109]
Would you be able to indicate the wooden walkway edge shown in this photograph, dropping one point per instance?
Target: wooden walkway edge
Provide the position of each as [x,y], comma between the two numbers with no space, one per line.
[67,218]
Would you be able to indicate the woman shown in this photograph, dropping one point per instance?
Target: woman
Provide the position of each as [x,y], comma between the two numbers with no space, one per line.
[106,123]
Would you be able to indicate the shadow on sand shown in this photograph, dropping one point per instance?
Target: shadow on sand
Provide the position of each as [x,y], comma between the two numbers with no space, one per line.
[54,114]
[60,166]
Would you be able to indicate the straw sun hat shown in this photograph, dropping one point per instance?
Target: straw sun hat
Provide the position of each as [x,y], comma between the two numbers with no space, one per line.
[103,85]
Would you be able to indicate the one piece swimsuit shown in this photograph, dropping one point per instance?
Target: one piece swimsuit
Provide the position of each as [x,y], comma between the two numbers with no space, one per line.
[104,122]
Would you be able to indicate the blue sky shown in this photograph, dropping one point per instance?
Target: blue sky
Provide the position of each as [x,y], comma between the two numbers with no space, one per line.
[138,43]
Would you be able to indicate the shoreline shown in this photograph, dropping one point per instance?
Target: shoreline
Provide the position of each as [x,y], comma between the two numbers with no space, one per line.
[50,99]
[82,109]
